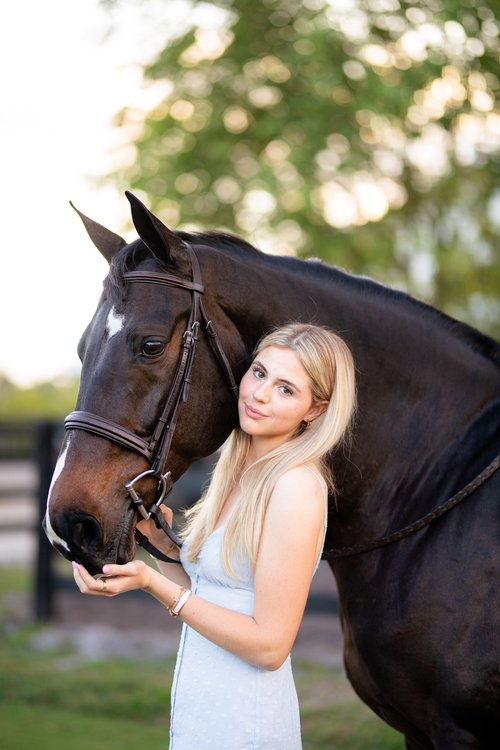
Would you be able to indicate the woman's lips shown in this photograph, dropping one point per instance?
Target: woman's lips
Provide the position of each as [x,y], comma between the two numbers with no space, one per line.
[253,413]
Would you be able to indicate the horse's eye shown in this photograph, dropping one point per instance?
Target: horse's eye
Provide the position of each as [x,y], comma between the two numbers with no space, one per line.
[153,348]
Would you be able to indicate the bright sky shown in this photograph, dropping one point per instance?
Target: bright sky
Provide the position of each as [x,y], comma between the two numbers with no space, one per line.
[63,78]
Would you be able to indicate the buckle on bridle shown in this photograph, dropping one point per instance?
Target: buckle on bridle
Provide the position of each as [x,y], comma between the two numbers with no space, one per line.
[164,485]
[190,335]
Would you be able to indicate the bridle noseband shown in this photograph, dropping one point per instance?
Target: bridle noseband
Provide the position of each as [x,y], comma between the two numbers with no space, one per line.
[157,448]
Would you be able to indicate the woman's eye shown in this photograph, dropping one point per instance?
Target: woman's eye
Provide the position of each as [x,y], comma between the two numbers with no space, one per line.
[258,373]
[153,348]
[286,391]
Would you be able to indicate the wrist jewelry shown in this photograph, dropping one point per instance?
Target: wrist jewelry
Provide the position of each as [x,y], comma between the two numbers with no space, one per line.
[179,602]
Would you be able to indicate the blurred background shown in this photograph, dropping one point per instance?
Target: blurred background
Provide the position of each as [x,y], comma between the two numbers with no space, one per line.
[363,132]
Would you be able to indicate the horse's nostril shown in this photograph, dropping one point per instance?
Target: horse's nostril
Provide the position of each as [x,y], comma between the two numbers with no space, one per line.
[86,532]
[81,531]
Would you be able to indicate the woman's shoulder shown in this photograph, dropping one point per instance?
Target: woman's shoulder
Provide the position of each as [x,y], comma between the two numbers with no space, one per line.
[301,489]
[306,476]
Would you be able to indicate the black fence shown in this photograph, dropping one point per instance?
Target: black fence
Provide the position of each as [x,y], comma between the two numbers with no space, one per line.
[47,443]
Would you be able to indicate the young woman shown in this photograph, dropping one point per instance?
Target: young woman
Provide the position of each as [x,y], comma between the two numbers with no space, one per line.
[251,546]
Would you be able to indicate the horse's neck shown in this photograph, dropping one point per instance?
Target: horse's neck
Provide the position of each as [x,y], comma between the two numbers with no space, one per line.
[420,381]
[407,350]
[266,291]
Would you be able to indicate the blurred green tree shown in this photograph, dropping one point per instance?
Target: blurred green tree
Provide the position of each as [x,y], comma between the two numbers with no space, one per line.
[364,132]
[45,400]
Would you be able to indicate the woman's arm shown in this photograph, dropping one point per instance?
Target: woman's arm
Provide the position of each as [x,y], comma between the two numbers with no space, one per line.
[290,544]
[161,541]
[173,572]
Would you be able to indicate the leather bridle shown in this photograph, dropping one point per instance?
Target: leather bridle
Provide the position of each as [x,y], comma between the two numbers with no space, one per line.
[157,448]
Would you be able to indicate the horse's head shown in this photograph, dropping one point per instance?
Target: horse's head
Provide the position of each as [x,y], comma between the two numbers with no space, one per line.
[135,369]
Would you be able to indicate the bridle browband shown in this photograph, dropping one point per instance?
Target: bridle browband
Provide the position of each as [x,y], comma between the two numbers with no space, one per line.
[157,448]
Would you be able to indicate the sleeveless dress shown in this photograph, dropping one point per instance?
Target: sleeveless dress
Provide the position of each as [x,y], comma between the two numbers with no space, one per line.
[220,701]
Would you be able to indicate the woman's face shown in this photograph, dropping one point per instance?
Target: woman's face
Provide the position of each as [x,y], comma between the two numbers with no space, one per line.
[275,397]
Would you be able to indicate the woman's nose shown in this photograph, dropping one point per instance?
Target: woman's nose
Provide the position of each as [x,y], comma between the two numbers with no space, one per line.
[261,392]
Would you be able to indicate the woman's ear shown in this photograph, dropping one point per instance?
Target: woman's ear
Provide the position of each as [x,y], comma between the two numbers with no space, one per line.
[317,410]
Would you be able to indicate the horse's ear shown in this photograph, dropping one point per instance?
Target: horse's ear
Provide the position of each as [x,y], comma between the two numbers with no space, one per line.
[107,242]
[164,243]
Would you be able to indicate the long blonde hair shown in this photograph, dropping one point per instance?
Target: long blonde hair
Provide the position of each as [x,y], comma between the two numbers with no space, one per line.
[329,364]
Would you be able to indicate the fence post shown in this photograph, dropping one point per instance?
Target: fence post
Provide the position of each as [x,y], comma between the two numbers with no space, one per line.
[44,573]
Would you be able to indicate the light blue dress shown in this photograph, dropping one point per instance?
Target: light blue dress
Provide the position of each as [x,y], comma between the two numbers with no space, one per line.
[220,701]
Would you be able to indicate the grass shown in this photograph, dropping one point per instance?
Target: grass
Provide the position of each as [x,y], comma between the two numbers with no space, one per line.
[26,727]
[52,699]
[14,583]
[332,716]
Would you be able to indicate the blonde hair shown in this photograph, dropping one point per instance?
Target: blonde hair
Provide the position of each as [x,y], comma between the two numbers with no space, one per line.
[329,364]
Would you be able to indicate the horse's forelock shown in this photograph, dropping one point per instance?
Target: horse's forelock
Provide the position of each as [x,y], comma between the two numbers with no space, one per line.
[126,260]
[132,254]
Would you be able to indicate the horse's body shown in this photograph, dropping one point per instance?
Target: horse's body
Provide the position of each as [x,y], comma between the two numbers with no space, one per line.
[421,617]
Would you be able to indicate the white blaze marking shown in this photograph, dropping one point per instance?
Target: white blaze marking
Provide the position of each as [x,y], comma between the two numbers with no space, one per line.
[114,323]
[55,538]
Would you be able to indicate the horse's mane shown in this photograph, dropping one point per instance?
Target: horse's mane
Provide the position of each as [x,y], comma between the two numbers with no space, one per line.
[476,340]
[224,241]
[132,254]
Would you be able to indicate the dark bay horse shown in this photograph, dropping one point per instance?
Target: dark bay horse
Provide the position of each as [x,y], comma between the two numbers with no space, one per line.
[421,616]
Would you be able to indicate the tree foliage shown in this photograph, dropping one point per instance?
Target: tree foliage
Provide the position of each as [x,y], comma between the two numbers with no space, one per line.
[46,400]
[364,132]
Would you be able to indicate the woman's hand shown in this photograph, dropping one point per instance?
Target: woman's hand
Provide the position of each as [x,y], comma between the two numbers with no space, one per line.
[134,575]
[117,578]
[157,537]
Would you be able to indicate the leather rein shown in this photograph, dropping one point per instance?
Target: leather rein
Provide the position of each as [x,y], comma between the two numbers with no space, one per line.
[157,448]
[336,553]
